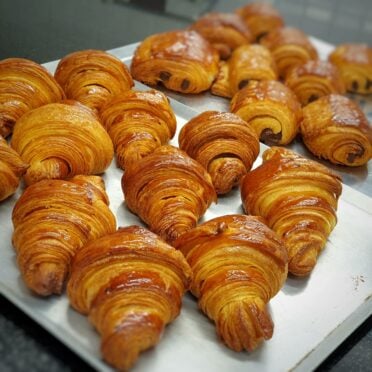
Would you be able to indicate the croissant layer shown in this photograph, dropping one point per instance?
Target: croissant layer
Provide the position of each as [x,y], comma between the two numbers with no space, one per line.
[92,77]
[130,284]
[224,144]
[11,170]
[238,265]
[52,220]
[298,199]
[60,140]
[168,190]
[24,85]
[138,122]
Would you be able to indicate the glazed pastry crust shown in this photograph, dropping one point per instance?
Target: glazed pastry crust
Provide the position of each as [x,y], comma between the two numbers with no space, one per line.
[131,284]
[92,77]
[239,264]
[250,62]
[182,61]
[138,122]
[261,18]
[298,199]
[355,64]
[11,170]
[24,85]
[271,108]
[290,47]
[169,191]
[60,140]
[221,86]
[224,144]
[335,128]
[315,79]
[52,220]
[225,31]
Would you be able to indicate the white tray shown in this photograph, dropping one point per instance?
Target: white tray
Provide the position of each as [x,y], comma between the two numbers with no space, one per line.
[312,316]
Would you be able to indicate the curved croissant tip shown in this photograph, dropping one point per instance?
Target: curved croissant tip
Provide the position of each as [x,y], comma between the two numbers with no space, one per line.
[302,264]
[46,278]
[246,324]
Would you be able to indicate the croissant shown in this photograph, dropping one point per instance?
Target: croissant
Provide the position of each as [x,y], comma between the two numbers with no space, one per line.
[221,86]
[12,169]
[131,284]
[224,144]
[138,123]
[182,61]
[335,128]
[315,79]
[355,64]
[271,109]
[225,31]
[261,18]
[168,190]
[239,264]
[290,47]
[92,77]
[52,220]
[60,140]
[24,85]
[298,198]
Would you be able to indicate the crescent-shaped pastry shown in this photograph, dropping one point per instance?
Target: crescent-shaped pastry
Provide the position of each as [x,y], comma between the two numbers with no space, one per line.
[271,108]
[315,79]
[131,284]
[24,85]
[52,220]
[60,140]
[335,128]
[92,77]
[225,31]
[138,122]
[12,169]
[355,64]
[290,47]
[261,18]
[168,190]
[239,264]
[224,144]
[182,61]
[298,199]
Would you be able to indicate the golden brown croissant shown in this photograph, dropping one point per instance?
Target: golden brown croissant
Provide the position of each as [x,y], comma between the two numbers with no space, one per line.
[290,47]
[314,79]
[60,140]
[335,128]
[224,144]
[92,77]
[298,198]
[24,85]
[239,264]
[261,18]
[138,122]
[131,284]
[11,170]
[182,61]
[225,31]
[52,220]
[355,64]
[248,62]
[168,190]
[271,108]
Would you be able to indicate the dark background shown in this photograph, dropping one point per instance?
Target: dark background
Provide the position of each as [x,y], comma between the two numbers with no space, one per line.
[45,30]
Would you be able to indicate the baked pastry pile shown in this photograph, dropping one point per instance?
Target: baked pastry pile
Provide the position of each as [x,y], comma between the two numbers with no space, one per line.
[130,281]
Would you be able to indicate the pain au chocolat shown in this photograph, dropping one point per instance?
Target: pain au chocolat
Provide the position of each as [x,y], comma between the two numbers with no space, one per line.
[182,61]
